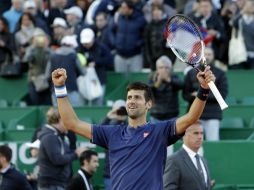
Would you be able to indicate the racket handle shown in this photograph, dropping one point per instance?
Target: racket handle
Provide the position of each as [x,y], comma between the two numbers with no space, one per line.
[217,95]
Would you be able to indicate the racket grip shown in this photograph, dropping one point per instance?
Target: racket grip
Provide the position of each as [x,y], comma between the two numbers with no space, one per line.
[217,95]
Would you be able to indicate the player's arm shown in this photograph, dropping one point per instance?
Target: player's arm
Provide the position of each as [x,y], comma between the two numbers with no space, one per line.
[197,107]
[68,116]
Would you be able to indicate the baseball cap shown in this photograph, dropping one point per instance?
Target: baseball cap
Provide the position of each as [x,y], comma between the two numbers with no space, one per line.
[75,10]
[86,36]
[70,40]
[35,144]
[29,4]
[59,22]
[118,103]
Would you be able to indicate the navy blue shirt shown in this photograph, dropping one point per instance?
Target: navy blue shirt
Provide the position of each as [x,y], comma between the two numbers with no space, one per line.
[137,155]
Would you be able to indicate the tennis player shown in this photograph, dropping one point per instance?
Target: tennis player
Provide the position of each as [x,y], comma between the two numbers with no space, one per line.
[137,151]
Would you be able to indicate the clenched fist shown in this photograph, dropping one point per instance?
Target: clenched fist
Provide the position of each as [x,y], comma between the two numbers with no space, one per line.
[59,77]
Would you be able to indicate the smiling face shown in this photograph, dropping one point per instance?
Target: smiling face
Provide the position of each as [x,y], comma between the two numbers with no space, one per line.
[137,106]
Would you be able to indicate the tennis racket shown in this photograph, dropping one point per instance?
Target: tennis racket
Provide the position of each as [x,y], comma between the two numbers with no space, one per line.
[184,38]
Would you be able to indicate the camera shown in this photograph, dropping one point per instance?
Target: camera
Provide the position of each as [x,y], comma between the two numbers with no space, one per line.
[121,111]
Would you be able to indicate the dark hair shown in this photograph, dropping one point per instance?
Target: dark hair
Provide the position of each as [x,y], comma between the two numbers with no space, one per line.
[87,155]
[141,86]
[6,152]
[129,3]
[31,18]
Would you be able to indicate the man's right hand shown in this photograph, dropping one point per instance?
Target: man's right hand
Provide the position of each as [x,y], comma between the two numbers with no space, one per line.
[59,77]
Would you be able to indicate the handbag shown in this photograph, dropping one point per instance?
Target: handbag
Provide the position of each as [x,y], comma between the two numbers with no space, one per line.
[237,52]
[9,68]
[89,85]
[40,82]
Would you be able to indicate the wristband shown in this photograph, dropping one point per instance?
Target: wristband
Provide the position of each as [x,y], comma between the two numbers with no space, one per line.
[203,93]
[60,91]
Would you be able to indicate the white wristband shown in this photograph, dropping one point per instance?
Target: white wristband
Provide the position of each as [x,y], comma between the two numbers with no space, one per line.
[60,91]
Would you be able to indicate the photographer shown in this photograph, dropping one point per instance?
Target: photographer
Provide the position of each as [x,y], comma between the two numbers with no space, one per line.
[118,116]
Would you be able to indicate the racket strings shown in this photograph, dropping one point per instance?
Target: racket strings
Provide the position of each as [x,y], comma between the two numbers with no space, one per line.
[185,40]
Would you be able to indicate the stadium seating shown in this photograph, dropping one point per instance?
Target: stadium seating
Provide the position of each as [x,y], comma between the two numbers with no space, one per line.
[232,122]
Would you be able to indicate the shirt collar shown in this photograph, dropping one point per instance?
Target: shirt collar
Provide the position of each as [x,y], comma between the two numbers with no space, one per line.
[190,152]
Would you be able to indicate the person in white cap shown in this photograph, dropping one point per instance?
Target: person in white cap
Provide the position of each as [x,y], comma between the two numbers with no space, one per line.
[99,57]
[30,7]
[59,31]
[74,17]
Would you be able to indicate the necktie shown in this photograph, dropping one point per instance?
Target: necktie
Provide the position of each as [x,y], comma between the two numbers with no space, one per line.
[200,171]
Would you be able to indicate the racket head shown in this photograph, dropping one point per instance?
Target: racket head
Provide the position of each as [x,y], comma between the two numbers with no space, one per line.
[184,38]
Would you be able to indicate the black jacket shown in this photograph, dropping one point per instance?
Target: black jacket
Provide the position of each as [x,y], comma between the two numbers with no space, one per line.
[55,158]
[77,181]
[212,109]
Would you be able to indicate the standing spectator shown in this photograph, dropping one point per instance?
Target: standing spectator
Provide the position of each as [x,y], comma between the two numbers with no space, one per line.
[59,31]
[103,30]
[212,24]
[37,56]
[147,9]
[66,57]
[246,20]
[30,7]
[129,29]
[10,178]
[212,114]
[13,14]
[25,29]
[74,17]
[116,116]
[155,44]
[186,169]
[55,156]
[165,86]
[89,162]
[6,41]
[56,11]
[98,56]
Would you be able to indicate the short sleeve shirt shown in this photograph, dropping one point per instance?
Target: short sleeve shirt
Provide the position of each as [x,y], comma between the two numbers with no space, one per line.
[137,155]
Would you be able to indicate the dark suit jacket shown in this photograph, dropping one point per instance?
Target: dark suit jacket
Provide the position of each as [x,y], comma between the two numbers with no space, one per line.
[181,173]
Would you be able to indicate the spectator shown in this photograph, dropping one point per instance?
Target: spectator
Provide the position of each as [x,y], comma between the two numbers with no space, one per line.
[186,169]
[31,8]
[10,178]
[74,17]
[66,57]
[56,11]
[155,44]
[84,5]
[55,157]
[59,31]
[213,26]
[246,20]
[25,29]
[212,113]
[165,86]
[147,9]
[116,116]
[33,176]
[103,30]
[129,28]
[98,56]
[89,162]
[13,14]
[6,41]
[37,56]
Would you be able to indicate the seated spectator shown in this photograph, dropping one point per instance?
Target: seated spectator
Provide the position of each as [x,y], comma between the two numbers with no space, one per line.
[59,31]
[11,178]
[89,162]
[74,20]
